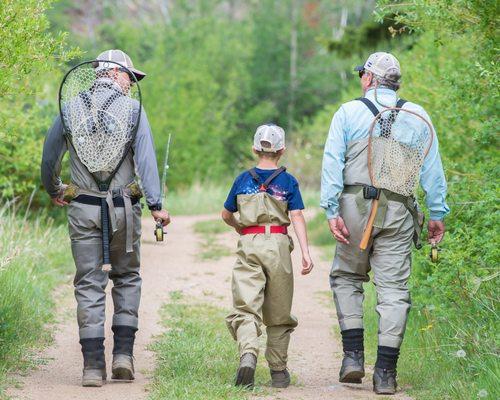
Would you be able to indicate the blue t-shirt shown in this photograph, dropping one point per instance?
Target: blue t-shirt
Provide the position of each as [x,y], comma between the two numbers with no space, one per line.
[284,187]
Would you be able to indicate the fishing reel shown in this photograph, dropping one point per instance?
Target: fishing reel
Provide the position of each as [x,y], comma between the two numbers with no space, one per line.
[159,232]
[434,254]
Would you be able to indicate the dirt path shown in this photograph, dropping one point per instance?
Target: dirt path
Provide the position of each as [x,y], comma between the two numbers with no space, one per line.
[174,266]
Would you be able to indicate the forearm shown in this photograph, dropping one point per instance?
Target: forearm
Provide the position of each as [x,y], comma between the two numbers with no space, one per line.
[332,180]
[433,183]
[299,226]
[229,218]
[145,161]
[54,148]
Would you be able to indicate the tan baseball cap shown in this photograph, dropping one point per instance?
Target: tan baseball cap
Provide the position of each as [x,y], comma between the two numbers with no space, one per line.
[269,138]
[119,57]
[381,64]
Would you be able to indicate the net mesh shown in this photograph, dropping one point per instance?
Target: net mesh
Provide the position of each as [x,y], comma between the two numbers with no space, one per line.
[100,109]
[399,142]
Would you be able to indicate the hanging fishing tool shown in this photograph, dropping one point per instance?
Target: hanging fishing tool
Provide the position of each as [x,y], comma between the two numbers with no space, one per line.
[159,232]
[434,254]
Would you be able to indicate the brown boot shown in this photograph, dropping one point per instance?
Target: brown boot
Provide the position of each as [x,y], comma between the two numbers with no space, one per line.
[94,363]
[123,367]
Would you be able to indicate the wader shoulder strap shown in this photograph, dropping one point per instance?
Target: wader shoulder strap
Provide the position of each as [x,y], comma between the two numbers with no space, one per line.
[374,109]
[264,185]
[369,104]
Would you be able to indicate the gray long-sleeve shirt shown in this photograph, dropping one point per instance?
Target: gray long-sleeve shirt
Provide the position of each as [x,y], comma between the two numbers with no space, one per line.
[142,162]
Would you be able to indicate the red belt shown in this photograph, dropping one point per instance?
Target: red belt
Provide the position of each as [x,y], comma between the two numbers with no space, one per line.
[249,230]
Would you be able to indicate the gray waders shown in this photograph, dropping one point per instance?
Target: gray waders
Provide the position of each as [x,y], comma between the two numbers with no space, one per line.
[388,254]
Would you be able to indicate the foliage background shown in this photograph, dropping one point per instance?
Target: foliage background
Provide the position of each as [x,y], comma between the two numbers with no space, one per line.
[217,69]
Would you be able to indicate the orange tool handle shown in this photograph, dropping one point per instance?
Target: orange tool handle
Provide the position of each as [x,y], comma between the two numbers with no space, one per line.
[369,226]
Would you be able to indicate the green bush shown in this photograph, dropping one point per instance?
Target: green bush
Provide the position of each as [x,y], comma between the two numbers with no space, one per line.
[34,258]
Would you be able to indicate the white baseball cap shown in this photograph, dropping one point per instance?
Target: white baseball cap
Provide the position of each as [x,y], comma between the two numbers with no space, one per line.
[121,58]
[269,138]
[381,64]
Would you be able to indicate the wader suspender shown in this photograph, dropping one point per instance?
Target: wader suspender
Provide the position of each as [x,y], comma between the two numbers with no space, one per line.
[375,111]
[264,185]
[106,258]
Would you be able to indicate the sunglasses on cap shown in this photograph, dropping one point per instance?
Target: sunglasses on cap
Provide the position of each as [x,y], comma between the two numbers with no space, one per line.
[361,73]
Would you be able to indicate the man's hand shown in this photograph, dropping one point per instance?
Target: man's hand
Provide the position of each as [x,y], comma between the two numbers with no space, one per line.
[163,215]
[436,231]
[59,199]
[339,230]
[307,264]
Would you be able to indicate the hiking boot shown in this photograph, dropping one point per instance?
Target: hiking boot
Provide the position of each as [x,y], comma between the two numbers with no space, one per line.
[93,377]
[123,367]
[353,367]
[280,379]
[246,370]
[94,364]
[384,381]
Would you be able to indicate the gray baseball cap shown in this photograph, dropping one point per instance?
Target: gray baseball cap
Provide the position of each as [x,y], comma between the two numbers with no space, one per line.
[122,58]
[269,138]
[381,64]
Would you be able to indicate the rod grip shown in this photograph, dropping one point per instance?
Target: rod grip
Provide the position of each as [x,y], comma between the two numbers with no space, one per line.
[369,226]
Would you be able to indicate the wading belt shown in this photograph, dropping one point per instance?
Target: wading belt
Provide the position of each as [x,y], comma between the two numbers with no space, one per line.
[386,195]
[120,198]
[256,229]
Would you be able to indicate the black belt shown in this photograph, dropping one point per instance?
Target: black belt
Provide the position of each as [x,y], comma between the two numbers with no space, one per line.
[96,201]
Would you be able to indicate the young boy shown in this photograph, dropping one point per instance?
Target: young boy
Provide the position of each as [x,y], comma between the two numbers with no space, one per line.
[262,281]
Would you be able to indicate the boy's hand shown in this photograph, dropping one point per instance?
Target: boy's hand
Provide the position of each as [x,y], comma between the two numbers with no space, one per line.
[339,230]
[307,264]
[163,215]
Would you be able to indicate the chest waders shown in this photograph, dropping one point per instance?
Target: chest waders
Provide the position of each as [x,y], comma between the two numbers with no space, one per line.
[383,195]
[98,120]
[262,277]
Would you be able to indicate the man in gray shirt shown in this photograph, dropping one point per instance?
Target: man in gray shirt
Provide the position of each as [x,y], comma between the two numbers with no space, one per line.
[86,233]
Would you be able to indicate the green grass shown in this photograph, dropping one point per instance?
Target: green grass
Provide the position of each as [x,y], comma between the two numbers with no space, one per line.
[429,366]
[211,248]
[200,198]
[211,227]
[34,258]
[197,357]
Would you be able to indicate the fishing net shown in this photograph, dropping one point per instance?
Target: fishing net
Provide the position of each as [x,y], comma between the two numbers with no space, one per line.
[398,143]
[100,104]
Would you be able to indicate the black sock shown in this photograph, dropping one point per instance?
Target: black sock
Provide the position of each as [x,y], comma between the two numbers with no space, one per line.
[352,339]
[93,352]
[387,357]
[124,337]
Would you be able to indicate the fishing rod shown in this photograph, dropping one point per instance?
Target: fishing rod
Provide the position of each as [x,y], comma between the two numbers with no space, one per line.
[159,232]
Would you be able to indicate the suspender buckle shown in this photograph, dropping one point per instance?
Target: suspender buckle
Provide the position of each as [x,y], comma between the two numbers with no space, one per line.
[371,192]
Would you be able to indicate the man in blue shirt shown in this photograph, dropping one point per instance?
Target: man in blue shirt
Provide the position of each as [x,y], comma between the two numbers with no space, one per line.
[344,175]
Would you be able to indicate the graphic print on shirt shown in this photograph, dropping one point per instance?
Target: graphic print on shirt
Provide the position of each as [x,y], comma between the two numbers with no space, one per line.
[283,188]
[278,192]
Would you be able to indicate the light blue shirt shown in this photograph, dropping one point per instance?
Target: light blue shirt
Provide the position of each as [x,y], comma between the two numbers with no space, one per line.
[352,122]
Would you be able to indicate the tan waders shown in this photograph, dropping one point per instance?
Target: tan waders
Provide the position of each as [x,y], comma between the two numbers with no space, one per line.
[262,280]
[388,254]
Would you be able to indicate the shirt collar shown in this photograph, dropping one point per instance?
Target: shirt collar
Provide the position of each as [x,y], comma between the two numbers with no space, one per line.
[385,95]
